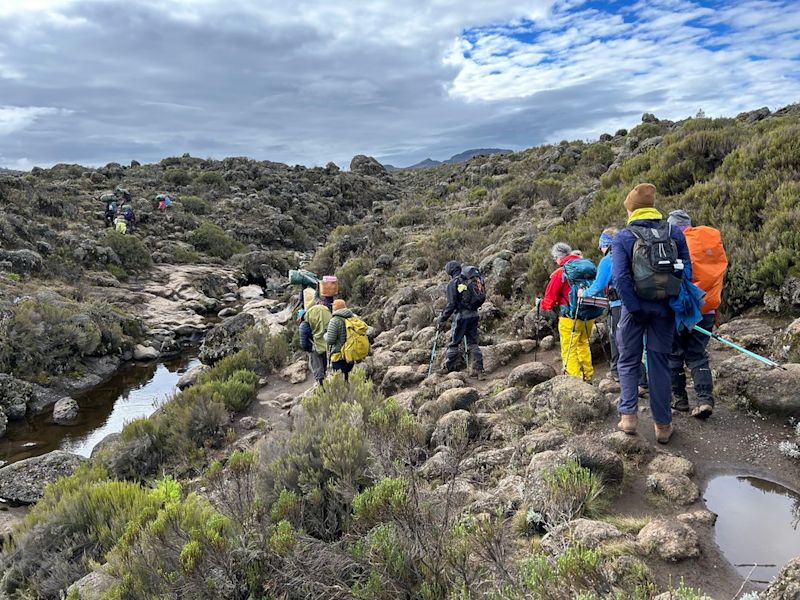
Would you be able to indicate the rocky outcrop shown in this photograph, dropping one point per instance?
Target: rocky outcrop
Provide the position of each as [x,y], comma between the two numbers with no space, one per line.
[761,387]
[225,338]
[23,482]
[93,586]
[366,165]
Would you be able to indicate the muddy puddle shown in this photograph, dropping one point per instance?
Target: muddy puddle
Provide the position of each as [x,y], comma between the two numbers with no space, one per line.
[758,524]
[134,391]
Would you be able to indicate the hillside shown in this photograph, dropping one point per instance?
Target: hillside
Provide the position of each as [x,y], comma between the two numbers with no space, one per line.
[251,483]
[461,157]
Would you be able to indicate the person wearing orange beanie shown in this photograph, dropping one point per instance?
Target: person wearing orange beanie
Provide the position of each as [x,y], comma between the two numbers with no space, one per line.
[650,258]
[336,336]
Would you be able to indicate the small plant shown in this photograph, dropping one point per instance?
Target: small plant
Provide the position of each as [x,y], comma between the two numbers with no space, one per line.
[568,491]
[213,240]
[792,448]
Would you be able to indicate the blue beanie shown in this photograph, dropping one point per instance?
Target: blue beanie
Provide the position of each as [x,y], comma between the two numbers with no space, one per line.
[605,240]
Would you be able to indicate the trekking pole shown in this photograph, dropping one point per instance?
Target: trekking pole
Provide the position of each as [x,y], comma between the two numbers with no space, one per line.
[466,353]
[536,347]
[433,351]
[572,334]
[745,351]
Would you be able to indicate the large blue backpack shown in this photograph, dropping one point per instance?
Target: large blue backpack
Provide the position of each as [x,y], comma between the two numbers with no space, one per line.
[580,273]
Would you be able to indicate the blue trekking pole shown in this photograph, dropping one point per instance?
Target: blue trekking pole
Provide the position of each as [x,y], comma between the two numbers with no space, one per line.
[745,351]
[433,351]
[466,353]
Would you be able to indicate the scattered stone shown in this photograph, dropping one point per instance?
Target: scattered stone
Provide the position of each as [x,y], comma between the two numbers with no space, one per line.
[669,463]
[502,400]
[585,532]
[93,586]
[65,411]
[669,539]
[548,342]
[191,376]
[251,423]
[437,465]
[675,488]
[141,352]
[397,378]
[251,292]
[506,497]
[227,312]
[498,355]
[570,398]
[460,398]
[700,517]
[787,585]
[455,429]
[23,482]
[530,374]
[629,445]
[539,441]
[297,372]
[608,386]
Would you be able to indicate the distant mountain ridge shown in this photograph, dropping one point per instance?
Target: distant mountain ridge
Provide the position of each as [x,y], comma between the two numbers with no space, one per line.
[455,159]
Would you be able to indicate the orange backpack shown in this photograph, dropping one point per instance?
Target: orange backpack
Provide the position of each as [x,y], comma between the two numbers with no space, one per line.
[709,263]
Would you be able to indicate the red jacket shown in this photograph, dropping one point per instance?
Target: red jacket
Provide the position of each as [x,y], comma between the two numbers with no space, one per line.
[557,293]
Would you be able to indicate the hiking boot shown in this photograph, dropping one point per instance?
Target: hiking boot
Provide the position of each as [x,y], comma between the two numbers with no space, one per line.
[680,403]
[664,432]
[628,424]
[478,374]
[702,411]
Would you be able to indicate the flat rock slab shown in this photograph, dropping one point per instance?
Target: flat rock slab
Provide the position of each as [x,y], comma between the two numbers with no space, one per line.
[23,482]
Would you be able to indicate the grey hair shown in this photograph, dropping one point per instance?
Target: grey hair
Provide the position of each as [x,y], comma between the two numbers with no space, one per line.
[560,250]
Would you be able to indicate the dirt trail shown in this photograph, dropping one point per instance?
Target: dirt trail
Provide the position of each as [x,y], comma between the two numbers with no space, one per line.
[730,442]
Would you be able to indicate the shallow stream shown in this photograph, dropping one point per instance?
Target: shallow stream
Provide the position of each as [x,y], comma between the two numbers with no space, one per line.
[134,391]
[758,524]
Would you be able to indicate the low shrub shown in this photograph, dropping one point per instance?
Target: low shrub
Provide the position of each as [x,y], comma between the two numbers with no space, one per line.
[414,215]
[195,205]
[213,240]
[212,179]
[477,193]
[177,177]
[131,251]
[567,492]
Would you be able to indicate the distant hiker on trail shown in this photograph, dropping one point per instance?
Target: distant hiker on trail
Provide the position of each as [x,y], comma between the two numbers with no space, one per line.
[317,317]
[130,218]
[122,194]
[575,320]
[346,338]
[110,201]
[164,202]
[604,286]
[466,292]
[120,224]
[650,259]
[709,263]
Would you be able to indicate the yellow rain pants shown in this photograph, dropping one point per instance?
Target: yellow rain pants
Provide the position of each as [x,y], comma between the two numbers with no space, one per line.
[577,359]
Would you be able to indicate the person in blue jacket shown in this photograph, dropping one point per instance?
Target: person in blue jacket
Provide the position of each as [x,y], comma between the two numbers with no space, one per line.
[642,320]
[603,286]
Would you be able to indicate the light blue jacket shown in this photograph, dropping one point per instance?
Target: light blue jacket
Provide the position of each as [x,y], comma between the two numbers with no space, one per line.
[603,280]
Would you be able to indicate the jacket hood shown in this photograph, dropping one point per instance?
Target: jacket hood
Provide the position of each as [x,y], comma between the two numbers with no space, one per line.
[453,268]
[345,313]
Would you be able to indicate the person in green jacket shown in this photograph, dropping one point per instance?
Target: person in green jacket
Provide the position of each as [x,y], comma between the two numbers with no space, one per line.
[318,317]
[336,336]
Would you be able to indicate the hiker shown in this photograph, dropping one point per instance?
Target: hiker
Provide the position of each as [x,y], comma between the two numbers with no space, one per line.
[650,259]
[164,202]
[120,224]
[130,218]
[604,286]
[709,263]
[346,337]
[123,194]
[575,321]
[466,292]
[111,208]
[318,317]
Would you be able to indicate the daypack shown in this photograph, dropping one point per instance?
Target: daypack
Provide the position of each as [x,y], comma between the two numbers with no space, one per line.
[128,214]
[356,346]
[654,256]
[580,273]
[306,337]
[111,207]
[472,288]
[108,197]
[709,263]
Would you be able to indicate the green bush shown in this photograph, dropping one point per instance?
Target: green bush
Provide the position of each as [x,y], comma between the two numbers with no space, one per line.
[195,205]
[414,215]
[353,282]
[131,251]
[212,179]
[118,272]
[184,256]
[269,351]
[177,177]
[477,193]
[213,240]
[568,492]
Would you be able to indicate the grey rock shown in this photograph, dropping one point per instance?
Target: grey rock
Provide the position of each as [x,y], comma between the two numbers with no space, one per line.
[596,457]
[191,377]
[586,532]
[501,400]
[23,262]
[93,586]
[530,374]
[23,482]
[787,585]
[457,398]
[141,352]
[675,488]
[669,463]
[225,338]
[669,539]
[397,378]
[65,411]
[455,429]
[765,389]
[542,440]
[366,165]
[570,398]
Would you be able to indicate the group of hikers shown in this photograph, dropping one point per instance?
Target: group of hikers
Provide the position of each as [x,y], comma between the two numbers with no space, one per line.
[661,281]
[332,335]
[119,213]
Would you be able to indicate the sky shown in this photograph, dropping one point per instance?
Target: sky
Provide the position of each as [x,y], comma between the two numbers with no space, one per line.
[313,81]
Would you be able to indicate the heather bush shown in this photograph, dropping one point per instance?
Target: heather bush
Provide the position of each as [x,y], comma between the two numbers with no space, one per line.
[195,205]
[130,249]
[212,239]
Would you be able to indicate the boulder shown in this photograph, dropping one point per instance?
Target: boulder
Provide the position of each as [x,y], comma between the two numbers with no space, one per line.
[587,533]
[530,374]
[505,497]
[754,334]
[540,441]
[366,165]
[227,312]
[65,411]
[296,372]
[698,517]
[23,262]
[225,338]
[787,585]
[633,446]
[23,482]
[107,442]
[397,378]
[594,456]
[191,376]
[502,400]
[669,539]
[675,488]
[251,292]
[458,398]
[15,394]
[455,429]
[669,463]
[574,400]
[761,387]
[498,355]
[93,586]
[440,464]
[141,352]
[548,342]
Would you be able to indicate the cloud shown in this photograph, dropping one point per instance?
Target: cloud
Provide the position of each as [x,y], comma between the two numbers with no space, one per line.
[312,81]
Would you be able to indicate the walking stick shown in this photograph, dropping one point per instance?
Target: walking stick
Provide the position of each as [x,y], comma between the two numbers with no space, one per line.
[536,347]
[744,351]
[433,350]
[466,353]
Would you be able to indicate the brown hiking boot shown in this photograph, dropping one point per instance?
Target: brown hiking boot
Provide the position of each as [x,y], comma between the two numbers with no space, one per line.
[664,432]
[703,411]
[628,424]
[478,374]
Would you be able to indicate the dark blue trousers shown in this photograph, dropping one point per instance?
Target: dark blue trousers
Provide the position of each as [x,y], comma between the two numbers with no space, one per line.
[659,329]
[464,327]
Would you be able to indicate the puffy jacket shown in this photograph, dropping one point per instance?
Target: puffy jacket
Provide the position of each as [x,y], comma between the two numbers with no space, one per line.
[556,294]
[318,317]
[336,335]
[622,247]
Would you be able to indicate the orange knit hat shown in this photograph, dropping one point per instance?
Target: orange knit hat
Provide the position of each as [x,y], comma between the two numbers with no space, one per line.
[339,304]
[642,196]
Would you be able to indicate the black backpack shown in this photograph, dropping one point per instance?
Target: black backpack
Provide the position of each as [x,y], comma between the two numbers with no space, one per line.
[472,288]
[653,260]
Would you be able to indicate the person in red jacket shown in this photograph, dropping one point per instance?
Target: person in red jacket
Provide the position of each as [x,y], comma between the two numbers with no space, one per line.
[576,355]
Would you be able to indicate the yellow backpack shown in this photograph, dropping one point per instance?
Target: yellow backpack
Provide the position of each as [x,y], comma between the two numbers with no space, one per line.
[356,346]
